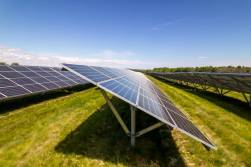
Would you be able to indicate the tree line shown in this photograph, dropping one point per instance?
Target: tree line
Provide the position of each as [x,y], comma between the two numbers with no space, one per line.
[12,64]
[223,69]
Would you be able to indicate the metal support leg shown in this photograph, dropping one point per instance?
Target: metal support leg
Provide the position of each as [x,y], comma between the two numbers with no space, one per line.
[227,91]
[221,92]
[150,128]
[245,97]
[133,125]
[133,133]
[217,90]
[248,100]
[116,114]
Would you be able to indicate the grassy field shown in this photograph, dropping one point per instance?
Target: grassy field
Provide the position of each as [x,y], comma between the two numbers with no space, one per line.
[226,120]
[77,129]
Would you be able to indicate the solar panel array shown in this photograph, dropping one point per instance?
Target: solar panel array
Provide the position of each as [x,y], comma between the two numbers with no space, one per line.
[23,80]
[140,92]
[232,81]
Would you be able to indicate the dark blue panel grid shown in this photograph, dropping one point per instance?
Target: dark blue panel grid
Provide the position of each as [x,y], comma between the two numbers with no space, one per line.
[154,108]
[187,126]
[120,89]
[126,81]
[35,88]
[5,68]
[21,80]
[73,77]
[14,91]
[6,82]
[50,85]
[11,74]
[106,72]
[29,74]
[90,73]
[20,68]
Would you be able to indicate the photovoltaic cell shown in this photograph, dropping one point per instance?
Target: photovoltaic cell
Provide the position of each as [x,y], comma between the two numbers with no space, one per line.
[125,92]
[13,91]
[20,68]
[187,126]
[6,82]
[23,80]
[11,74]
[40,80]
[74,79]
[29,74]
[35,88]
[5,68]
[50,85]
[140,92]
[91,73]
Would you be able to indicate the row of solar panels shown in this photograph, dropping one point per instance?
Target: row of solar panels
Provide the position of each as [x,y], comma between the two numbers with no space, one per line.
[230,81]
[137,90]
[19,80]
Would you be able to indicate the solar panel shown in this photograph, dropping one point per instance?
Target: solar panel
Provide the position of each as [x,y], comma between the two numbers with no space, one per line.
[23,80]
[239,82]
[140,92]
[73,77]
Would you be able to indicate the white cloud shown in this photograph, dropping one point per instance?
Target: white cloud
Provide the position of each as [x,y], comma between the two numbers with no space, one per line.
[105,58]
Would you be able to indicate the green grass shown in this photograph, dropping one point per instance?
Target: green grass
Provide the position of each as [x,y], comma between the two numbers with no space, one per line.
[225,120]
[78,129]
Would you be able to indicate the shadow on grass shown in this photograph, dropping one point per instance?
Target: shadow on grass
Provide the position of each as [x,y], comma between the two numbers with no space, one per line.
[16,103]
[231,104]
[101,137]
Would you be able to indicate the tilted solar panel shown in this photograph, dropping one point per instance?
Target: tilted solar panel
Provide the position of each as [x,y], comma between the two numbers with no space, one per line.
[23,80]
[239,82]
[137,90]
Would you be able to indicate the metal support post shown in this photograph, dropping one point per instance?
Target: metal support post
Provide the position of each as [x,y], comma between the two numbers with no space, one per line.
[133,125]
[227,91]
[131,133]
[245,96]
[217,90]
[221,91]
[116,114]
[150,128]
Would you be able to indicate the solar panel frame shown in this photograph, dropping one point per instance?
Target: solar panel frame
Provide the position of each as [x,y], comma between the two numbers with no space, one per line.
[2,96]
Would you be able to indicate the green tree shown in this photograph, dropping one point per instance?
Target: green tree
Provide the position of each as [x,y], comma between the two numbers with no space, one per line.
[15,64]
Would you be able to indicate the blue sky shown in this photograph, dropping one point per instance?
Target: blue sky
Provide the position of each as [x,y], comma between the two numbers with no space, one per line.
[140,34]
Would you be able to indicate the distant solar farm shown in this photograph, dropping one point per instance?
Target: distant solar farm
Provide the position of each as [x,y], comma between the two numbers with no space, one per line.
[142,93]
[223,83]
